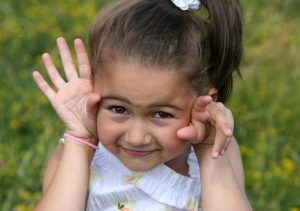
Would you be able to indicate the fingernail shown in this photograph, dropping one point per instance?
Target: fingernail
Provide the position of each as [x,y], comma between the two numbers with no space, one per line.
[180,133]
[229,131]
[216,154]
[223,152]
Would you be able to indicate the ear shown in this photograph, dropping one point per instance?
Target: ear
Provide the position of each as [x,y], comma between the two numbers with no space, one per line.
[213,92]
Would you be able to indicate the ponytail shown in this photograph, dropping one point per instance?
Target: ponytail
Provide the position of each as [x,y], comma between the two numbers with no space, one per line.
[225,22]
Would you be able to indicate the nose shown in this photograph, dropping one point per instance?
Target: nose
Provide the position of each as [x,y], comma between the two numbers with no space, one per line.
[137,135]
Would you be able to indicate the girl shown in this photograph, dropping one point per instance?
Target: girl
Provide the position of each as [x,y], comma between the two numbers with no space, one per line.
[142,97]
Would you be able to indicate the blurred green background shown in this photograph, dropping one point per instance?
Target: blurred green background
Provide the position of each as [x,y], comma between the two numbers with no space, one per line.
[265,102]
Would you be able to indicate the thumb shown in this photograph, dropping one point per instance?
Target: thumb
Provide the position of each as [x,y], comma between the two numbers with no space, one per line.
[92,105]
[194,133]
[90,118]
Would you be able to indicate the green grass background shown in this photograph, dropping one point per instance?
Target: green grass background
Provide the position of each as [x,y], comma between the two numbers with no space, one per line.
[265,102]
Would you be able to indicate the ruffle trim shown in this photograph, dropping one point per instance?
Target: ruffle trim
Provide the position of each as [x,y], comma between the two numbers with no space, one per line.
[194,170]
[161,183]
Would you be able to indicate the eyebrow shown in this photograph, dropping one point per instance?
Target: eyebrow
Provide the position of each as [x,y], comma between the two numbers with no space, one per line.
[123,99]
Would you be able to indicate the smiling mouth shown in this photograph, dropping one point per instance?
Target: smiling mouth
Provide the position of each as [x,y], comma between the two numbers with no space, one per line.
[138,153]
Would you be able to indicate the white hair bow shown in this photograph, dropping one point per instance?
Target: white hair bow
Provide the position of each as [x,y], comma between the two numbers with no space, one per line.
[193,5]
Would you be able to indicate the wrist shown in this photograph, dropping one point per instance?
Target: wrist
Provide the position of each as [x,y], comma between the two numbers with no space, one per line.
[89,142]
[82,132]
[78,149]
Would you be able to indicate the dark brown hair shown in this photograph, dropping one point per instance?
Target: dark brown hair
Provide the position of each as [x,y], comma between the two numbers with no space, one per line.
[158,35]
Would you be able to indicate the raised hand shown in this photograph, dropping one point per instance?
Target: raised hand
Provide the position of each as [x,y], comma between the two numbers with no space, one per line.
[212,123]
[73,100]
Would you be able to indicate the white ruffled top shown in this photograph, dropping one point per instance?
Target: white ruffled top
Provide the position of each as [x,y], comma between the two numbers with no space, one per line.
[115,187]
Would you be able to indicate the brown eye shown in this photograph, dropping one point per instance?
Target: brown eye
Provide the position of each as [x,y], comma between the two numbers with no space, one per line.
[118,110]
[162,115]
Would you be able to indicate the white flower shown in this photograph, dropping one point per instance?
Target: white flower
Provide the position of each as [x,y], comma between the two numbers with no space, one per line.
[187,4]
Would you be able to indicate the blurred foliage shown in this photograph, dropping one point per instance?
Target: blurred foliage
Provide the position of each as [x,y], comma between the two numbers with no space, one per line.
[265,102]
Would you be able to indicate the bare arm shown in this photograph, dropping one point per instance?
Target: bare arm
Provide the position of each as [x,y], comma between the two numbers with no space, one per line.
[66,179]
[222,180]
[222,177]
[235,160]
[52,166]
[67,175]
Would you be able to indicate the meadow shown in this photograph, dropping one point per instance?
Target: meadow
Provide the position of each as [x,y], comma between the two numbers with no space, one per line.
[265,102]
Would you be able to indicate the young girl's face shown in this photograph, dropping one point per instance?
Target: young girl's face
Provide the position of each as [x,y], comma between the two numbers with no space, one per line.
[140,112]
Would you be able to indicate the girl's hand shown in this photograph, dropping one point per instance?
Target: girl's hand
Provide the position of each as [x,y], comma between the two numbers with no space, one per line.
[212,124]
[74,100]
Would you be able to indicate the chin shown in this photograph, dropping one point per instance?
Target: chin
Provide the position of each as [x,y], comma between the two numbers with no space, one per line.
[139,167]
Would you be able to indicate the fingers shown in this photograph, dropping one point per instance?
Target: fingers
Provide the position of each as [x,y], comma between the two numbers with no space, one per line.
[229,132]
[212,123]
[66,59]
[193,133]
[221,117]
[43,85]
[221,143]
[52,71]
[83,60]
[199,111]
[68,65]
[224,124]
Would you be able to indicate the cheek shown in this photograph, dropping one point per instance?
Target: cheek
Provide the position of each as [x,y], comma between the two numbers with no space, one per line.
[169,133]
[168,136]
[107,130]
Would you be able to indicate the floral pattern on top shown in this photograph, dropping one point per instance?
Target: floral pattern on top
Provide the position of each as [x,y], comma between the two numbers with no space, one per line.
[94,177]
[133,179]
[193,205]
[126,206]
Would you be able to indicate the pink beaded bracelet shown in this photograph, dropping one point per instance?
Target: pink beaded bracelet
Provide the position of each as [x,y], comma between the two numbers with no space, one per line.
[80,140]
